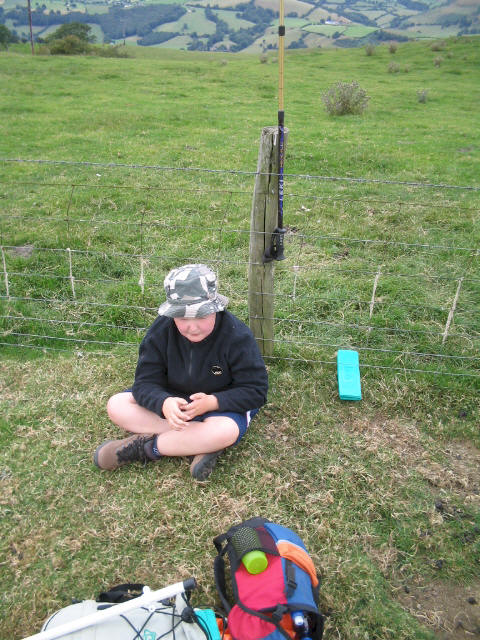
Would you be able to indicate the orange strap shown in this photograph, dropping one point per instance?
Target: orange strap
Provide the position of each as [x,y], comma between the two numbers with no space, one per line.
[300,557]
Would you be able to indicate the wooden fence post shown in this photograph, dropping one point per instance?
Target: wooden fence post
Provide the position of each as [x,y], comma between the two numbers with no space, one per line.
[262,222]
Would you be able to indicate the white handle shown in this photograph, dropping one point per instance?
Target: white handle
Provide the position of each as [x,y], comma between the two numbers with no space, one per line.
[148,597]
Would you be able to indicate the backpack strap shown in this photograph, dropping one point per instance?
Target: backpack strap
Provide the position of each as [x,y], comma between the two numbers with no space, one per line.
[121,593]
[290,578]
[218,542]
[220,583]
[274,618]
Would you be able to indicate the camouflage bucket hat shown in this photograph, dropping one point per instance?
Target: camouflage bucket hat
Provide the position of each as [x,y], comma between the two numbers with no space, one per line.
[191,293]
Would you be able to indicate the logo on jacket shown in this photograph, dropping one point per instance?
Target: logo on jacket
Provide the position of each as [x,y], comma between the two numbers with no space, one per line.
[217,370]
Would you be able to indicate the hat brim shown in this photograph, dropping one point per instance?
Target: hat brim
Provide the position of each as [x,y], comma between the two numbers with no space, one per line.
[200,310]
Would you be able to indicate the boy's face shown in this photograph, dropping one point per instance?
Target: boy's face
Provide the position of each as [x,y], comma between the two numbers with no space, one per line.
[195,329]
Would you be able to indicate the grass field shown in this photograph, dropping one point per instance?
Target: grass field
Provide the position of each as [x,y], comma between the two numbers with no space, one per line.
[385,492]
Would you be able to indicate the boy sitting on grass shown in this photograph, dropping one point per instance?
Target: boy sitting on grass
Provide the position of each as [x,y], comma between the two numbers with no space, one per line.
[199,380]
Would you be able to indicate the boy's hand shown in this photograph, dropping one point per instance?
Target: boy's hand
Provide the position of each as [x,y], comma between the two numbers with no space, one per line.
[200,403]
[172,410]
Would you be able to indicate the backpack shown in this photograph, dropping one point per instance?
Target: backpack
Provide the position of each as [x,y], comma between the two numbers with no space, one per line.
[172,619]
[281,600]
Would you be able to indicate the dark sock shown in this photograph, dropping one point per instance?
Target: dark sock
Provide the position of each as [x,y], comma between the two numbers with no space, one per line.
[151,449]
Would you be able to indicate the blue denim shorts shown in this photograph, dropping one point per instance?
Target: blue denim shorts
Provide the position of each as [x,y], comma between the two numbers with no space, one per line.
[242,419]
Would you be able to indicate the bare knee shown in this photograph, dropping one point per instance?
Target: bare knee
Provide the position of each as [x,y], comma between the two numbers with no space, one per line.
[116,406]
[224,430]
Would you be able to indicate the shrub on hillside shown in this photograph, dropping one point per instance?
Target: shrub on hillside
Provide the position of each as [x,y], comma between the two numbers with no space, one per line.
[438,61]
[345,98]
[422,95]
[393,67]
[369,49]
[69,46]
[393,47]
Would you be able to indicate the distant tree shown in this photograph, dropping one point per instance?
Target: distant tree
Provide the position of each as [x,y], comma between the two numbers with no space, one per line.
[297,44]
[5,36]
[156,37]
[80,31]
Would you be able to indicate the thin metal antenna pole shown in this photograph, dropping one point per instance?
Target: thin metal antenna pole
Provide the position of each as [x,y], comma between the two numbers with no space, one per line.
[275,251]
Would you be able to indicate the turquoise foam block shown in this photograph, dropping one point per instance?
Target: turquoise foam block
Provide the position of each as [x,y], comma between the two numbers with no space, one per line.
[348,375]
[207,617]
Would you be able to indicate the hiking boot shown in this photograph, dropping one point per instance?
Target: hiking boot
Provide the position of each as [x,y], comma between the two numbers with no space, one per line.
[115,453]
[203,464]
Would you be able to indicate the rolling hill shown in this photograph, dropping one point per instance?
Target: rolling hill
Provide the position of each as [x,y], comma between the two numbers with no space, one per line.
[236,25]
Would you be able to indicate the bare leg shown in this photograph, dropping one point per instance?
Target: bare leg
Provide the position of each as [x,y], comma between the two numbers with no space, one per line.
[213,434]
[126,413]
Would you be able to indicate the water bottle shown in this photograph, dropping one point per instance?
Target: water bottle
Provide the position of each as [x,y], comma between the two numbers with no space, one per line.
[246,543]
[255,562]
[301,626]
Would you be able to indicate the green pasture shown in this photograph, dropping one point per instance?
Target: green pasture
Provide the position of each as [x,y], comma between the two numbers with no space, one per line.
[295,23]
[112,171]
[349,31]
[433,31]
[358,31]
[325,29]
[179,42]
[163,2]
[194,20]
[231,19]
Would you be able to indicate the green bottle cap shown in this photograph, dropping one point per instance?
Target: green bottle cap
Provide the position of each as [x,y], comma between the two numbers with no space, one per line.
[255,562]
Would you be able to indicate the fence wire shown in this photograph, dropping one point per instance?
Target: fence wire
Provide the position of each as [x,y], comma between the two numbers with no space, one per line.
[388,268]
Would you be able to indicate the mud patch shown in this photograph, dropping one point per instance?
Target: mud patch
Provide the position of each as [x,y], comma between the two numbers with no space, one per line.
[459,473]
[454,468]
[453,612]
[453,471]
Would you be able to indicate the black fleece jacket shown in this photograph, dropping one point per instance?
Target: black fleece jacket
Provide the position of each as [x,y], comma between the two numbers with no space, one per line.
[227,364]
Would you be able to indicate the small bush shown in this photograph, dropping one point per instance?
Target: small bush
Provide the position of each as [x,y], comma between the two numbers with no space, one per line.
[422,95]
[345,98]
[393,47]
[369,49]
[393,67]
[263,58]
[437,46]
[69,46]
[406,69]
[438,61]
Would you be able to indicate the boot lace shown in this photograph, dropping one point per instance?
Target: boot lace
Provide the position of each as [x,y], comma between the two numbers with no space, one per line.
[134,451]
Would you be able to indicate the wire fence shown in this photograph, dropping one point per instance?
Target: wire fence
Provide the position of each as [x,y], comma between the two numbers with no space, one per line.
[388,268]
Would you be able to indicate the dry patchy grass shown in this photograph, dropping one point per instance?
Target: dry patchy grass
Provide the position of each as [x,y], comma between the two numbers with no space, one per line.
[377,500]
